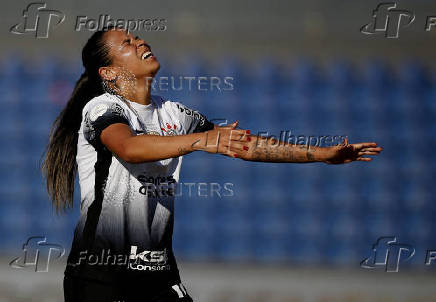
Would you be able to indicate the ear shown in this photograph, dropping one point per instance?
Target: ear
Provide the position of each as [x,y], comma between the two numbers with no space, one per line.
[107,73]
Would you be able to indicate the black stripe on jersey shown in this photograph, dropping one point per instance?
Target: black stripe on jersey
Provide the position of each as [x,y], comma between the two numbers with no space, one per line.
[204,127]
[95,128]
[85,242]
[104,160]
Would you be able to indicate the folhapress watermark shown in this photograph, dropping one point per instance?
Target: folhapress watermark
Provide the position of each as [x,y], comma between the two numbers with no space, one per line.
[104,20]
[37,19]
[38,253]
[145,260]
[388,254]
[287,138]
[387,19]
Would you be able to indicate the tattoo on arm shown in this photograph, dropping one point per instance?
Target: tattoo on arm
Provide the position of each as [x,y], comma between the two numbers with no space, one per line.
[182,151]
[276,154]
[310,155]
[272,151]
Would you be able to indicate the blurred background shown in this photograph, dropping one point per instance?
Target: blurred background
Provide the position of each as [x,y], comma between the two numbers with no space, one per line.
[273,232]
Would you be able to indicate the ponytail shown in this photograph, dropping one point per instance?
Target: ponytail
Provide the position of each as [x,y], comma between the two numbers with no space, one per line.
[59,166]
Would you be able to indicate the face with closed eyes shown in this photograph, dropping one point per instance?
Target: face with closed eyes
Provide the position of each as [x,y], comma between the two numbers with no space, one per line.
[130,55]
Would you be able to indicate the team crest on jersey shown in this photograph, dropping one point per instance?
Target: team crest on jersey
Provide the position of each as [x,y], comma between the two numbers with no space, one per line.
[169,129]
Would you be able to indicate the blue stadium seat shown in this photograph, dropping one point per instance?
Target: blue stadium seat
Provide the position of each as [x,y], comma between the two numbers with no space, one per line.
[232,232]
[194,231]
[15,222]
[306,75]
[341,75]
[414,77]
[377,75]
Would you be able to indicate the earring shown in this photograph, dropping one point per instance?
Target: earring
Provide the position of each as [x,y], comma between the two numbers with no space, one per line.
[106,86]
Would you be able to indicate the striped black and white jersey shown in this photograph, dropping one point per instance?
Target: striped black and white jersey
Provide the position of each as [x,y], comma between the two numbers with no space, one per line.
[126,211]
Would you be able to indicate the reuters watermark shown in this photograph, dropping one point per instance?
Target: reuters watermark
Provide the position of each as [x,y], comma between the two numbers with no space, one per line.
[192,83]
[166,187]
[155,188]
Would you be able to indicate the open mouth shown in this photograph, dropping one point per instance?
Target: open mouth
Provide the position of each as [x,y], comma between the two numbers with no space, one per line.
[146,55]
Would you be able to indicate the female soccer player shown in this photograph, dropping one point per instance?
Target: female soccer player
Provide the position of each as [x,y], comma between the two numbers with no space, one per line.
[127,146]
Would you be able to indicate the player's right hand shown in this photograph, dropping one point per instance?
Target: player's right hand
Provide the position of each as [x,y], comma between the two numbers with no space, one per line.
[225,140]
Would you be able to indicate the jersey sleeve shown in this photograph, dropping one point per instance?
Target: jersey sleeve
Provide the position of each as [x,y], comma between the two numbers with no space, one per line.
[192,120]
[99,115]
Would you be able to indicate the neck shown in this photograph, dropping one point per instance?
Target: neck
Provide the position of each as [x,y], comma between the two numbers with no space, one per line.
[142,92]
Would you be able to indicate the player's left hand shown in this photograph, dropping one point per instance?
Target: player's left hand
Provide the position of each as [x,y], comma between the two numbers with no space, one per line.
[346,153]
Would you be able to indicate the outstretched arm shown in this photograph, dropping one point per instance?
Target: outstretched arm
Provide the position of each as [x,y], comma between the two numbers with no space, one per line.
[119,139]
[262,149]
